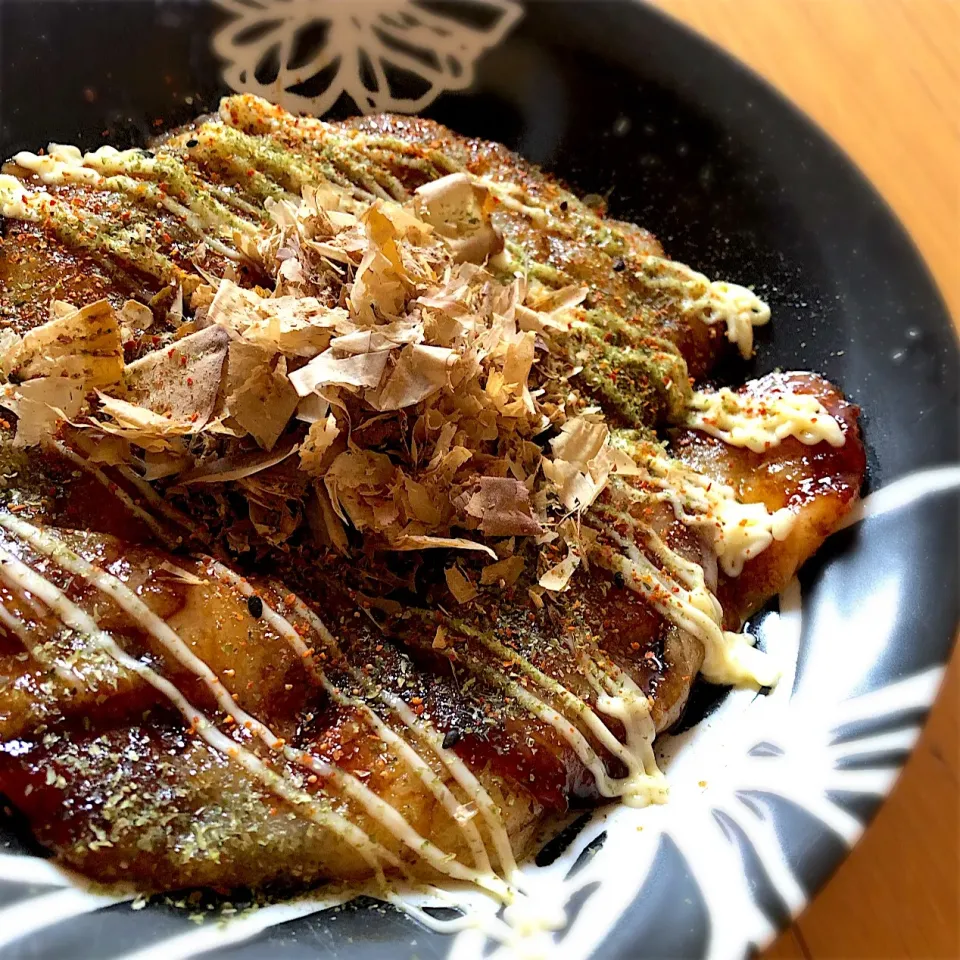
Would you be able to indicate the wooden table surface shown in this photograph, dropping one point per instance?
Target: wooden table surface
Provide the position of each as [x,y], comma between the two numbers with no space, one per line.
[883,78]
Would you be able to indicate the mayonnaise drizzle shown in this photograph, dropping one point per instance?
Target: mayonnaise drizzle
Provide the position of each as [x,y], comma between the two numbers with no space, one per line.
[150,495]
[739,531]
[85,229]
[527,919]
[76,618]
[759,423]
[671,583]
[644,783]
[388,817]
[679,593]
[506,195]
[144,516]
[17,203]
[164,506]
[425,731]
[712,300]
[23,632]
[60,164]
[111,161]
[404,750]
[63,164]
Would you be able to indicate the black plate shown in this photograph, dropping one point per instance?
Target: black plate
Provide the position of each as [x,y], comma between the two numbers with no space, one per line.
[623,102]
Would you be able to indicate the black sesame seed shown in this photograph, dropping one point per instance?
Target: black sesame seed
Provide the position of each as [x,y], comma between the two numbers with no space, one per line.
[147,153]
[618,580]
[451,738]
[255,606]
[193,143]
[618,265]
[564,205]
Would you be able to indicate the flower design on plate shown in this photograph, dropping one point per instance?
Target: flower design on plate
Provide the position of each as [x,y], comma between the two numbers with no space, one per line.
[384,55]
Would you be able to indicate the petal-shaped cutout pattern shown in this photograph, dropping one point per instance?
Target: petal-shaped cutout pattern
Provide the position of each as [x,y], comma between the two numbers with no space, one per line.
[384,55]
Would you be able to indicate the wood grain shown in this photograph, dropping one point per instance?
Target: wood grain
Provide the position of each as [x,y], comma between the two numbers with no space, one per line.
[883,78]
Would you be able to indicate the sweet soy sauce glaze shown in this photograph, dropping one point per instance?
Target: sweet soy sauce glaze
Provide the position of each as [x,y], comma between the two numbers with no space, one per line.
[362,511]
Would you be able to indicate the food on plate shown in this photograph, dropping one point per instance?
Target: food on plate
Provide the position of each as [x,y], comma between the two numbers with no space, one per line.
[365,504]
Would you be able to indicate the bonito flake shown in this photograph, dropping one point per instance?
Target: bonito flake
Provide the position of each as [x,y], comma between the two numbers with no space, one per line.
[82,345]
[40,405]
[427,397]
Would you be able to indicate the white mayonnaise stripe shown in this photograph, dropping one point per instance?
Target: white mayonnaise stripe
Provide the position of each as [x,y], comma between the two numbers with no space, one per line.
[145,490]
[619,696]
[900,494]
[143,515]
[628,703]
[381,811]
[464,776]
[636,783]
[597,678]
[24,633]
[568,731]
[690,574]
[64,164]
[163,506]
[302,802]
[713,301]
[17,203]
[504,194]
[404,750]
[89,230]
[760,423]
[127,600]
[739,531]
[109,160]
[659,585]
[728,657]
[434,739]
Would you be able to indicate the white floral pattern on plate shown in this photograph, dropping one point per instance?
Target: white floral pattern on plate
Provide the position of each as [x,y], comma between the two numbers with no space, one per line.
[385,55]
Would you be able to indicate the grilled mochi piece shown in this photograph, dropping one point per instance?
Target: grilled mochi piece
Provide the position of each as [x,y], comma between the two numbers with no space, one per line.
[165,722]
[818,483]
[142,224]
[189,736]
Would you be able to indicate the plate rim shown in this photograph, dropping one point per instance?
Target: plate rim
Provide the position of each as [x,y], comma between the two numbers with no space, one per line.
[823,143]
